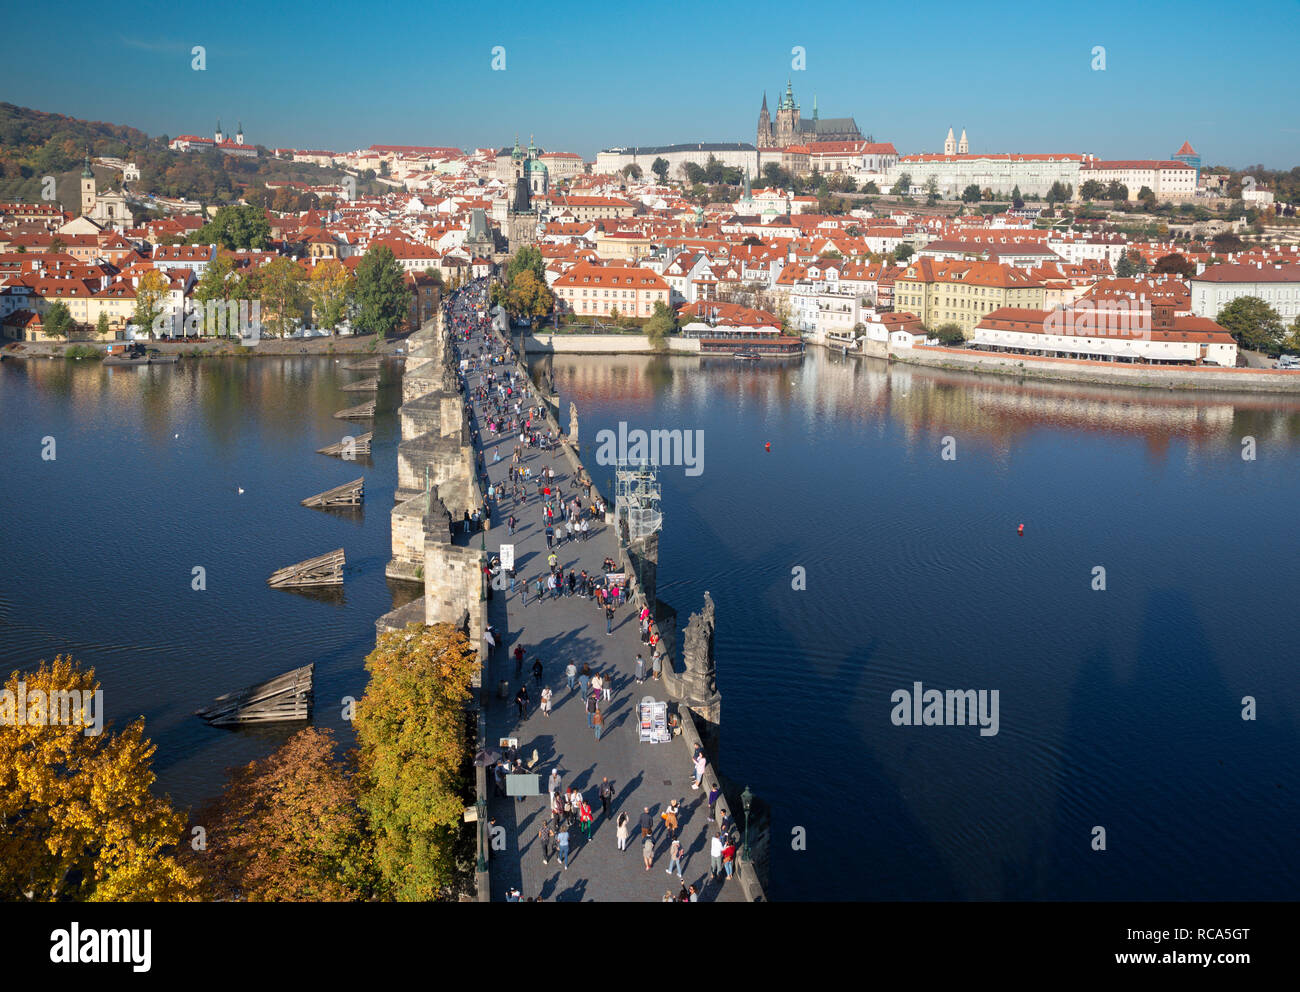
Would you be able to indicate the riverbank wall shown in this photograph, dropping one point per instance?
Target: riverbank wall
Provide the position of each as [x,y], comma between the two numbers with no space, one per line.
[606,344]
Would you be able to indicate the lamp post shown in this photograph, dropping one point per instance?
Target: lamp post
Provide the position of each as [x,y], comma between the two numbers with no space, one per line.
[746,800]
[481,806]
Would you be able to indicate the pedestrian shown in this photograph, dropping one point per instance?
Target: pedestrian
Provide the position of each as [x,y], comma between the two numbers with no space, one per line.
[640,669]
[658,667]
[537,670]
[547,836]
[699,771]
[694,896]
[597,687]
[510,520]
[570,672]
[538,589]
[584,680]
[521,701]
[598,721]
[675,858]
[609,618]
[519,659]
[621,830]
[562,843]
[553,783]
[646,822]
[728,857]
[591,711]
[648,853]
[714,793]
[550,536]
[669,816]
[546,702]
[606,796]
[585,817]
[715,856]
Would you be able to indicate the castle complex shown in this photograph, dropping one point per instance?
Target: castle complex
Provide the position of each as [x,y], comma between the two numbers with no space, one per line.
[790,127]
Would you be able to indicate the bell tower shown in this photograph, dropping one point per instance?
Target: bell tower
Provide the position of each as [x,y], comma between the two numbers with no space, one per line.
[87,189]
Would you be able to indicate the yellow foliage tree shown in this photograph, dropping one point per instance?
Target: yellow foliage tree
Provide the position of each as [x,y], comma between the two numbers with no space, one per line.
[414,758]
[80,819]
[328,291]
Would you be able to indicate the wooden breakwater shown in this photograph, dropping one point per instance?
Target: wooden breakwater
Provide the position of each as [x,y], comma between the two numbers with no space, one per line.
[323,570]
[368,384]
[359,445]
[364,411]
[349,494]
[285,697]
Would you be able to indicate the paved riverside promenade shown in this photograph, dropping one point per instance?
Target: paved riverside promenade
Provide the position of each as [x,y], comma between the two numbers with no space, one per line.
[572,629]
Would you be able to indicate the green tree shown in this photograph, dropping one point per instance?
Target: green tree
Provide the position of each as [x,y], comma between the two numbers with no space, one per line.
[631,171]
[1227,243]
[1291,342]
[217,283]
[971,194]
[660,168]
[1092,189]
[382,298]
[529,296]
[903,252]
[1125,268]
[949,334]
[414,753]
[102,330]
[526,259]
[903,184]
[237,228]
[1253,323]
[57,321]
[870,187]
[81,820]
[1017,201]
[661,324]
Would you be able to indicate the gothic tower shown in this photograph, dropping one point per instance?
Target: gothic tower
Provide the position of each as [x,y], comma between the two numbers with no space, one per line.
[787,119]
[764,126]
[239,134]
[87,189]
[218,136]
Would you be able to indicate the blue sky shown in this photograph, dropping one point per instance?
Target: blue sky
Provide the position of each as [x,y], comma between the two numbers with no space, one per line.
[584,76]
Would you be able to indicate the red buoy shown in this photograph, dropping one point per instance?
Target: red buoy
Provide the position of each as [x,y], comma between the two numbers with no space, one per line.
[768,446]
[1021,530]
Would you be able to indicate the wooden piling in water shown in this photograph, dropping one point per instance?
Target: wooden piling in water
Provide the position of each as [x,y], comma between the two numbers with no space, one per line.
[285,697]
[349,494]
[363,412]
[362,385]
[324,570]
[360,445]
[367,364]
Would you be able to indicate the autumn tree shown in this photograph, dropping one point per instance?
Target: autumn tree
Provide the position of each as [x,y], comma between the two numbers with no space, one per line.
[80,819]
[1253,323]
[661,324]
[219,283]
[529,297]
[288,828]
[329,290]
[414,741]
[149,294]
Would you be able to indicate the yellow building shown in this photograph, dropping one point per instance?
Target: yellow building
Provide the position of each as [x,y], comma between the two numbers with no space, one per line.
[962,292]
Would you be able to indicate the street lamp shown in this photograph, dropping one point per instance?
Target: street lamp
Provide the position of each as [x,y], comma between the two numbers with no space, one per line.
[746,800]
[481,806]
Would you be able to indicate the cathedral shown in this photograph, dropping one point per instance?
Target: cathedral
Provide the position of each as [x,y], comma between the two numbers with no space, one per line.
[107,209]
[791,128]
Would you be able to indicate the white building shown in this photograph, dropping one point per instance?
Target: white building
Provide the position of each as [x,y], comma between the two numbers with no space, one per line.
[1002,173]
[1168,180]
[732,154]
[1218,285]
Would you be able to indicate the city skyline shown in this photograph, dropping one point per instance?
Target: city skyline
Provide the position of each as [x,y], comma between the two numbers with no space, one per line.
[300,83]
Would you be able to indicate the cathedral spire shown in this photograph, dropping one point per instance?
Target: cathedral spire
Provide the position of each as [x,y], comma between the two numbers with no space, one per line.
[814,108]
[764,107]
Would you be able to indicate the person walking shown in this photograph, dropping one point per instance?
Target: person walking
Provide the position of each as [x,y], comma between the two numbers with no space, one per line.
[538,588]
[700,763]
[523,588]
[519,660]
[511,522]
[591,711]
[609,618]
[553,784]
[521,701]
[597,687]
[669,816]
[714,793]
[546,701]
[648,853]
[728,857]
[640,669]
[598,721]
[550,536]
[606,794]
[537,670]
[584,818]
[547,836]
[562,843]
[675,858]
[647,824]
[715,856]
[658,666]
[584,680]
[621,830]
[570,672]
